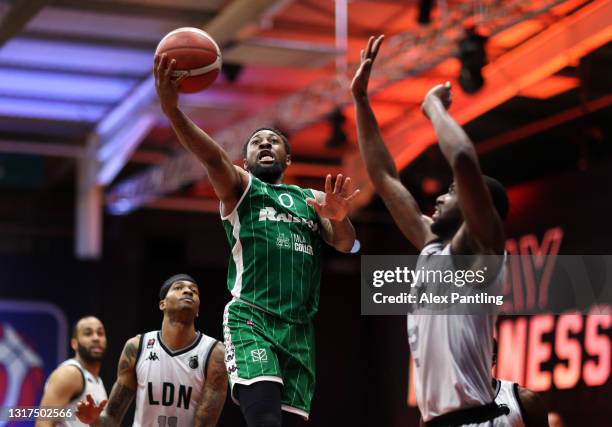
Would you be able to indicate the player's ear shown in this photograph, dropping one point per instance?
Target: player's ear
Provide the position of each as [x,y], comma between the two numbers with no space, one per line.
[74,344]
[244,164]
[288,159]
[162,304]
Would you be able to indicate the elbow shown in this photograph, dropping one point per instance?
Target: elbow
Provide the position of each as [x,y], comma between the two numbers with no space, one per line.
[345,249]
[463,156]
[345,245]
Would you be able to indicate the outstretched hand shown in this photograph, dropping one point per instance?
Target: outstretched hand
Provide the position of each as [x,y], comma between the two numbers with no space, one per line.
[441,93]
[359,85]
[166,82]
[87,411]
[337,202]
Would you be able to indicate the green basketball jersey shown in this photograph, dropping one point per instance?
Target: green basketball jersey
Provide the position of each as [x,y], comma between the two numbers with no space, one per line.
[276,247]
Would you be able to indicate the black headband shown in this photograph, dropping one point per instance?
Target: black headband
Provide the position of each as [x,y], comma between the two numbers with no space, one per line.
[169,282]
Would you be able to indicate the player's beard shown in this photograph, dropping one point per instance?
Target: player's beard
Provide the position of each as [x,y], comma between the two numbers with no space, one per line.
[86,354]
[447,225]
[270,174]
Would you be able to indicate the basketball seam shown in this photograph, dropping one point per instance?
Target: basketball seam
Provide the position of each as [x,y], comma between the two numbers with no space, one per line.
[198,31]
[194,48]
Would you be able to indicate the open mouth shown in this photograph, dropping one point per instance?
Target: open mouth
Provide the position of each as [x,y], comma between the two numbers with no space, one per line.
[266,157]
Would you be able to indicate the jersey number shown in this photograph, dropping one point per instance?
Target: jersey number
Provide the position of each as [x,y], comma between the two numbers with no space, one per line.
[285,199]
[171,421]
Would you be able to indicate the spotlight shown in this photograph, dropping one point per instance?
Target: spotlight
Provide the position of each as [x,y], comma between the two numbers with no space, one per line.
[425,7]
[473,57]
[231,72]
[338,137]
[431,186]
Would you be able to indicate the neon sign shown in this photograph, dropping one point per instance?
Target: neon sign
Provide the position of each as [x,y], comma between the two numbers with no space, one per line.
[579,349]
[546,351]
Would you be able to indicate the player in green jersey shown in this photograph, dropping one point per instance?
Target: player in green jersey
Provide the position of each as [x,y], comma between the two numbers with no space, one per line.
[275,233]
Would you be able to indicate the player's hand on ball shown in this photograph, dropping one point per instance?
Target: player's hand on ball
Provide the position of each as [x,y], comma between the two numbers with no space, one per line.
[87,411]
[337,201]
[166,84]
[441,93]
[359,85]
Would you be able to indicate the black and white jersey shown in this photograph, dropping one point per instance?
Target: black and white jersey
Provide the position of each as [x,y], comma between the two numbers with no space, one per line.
[170,382]
[452,353]
[506,394]
[91,385]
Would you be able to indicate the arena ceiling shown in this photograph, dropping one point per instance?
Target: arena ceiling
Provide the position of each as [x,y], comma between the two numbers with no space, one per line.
[77,102]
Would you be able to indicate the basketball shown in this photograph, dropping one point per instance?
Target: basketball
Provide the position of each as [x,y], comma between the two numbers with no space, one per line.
[196,54]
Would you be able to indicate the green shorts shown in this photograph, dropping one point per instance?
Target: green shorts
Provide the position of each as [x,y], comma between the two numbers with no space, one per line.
[262,347]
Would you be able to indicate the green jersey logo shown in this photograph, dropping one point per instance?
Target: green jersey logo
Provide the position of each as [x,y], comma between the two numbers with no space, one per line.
[269,214]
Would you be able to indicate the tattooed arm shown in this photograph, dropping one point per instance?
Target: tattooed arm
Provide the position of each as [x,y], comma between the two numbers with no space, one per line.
[214,391]
[121,396]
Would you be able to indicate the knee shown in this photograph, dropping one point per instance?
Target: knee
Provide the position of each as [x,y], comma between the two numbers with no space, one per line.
[266,419]
[263,413]
[261,404]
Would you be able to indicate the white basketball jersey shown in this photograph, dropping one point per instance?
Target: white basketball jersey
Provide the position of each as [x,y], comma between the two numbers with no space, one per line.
[170,382]
[506,394]
[91,385]
[452,353]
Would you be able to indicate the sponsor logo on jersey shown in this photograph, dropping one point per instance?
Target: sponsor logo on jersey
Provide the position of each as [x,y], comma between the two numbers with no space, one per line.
[151,343]
[230,364]
[259,355]
[193,362]
[152,356]
[300,244]
[269,214]
[283,241]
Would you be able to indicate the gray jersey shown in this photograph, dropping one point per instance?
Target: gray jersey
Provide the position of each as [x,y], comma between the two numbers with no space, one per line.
[170,382]
[91,385]
[452,353]
[506,394]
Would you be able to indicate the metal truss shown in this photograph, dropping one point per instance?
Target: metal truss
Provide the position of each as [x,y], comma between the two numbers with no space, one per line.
[405,55]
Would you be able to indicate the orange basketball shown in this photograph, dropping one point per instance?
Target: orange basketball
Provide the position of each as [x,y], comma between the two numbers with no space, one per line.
[196,54]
